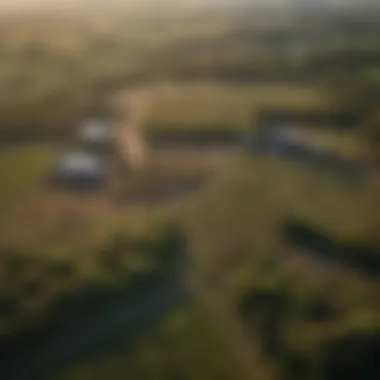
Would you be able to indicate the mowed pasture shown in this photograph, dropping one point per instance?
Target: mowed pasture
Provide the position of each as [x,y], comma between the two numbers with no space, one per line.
[22,171]
[222,106]
[346,144]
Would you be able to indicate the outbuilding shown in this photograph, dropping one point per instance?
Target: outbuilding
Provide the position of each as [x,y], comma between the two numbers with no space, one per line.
[95,132]
[80,170]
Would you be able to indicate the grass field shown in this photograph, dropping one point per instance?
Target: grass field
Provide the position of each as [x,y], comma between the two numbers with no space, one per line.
[58,220]
[22,171]
[248,205]
[345,144]
[209,105]
[233,231]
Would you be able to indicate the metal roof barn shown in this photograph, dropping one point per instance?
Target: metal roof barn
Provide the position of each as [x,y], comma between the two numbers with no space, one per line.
[80,170]
[283,138]
[94,131]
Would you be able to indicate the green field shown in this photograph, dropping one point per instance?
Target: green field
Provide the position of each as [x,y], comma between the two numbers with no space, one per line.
[219,106]
[22,171]
[248,205]
[233,230]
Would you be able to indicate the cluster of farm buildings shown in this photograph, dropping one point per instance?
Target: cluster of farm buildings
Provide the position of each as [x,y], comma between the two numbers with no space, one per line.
[278,134]
[82,166]
[287,136]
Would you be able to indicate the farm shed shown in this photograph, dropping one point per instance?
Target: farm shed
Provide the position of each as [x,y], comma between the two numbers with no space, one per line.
[80,170]
[323,118]
[94,132]
[287,141]
[280,140]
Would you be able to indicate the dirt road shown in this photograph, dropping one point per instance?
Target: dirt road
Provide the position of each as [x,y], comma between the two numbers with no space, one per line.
[134,103]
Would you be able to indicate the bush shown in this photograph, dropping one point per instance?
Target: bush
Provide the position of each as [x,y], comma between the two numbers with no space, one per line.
[352,357]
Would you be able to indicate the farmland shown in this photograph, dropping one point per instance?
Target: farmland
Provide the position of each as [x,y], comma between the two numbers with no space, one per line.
[23,171]
[218,106]
[237,242]
[272,264]
[231,207]
[231,221]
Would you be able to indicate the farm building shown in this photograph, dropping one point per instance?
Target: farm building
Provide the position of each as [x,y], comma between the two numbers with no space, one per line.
[95,132]
[323,118]
[288,141]
[80,170]
[283,140]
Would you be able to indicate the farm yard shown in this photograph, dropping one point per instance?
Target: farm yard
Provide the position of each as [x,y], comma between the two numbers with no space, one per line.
[61,220]
[46,215]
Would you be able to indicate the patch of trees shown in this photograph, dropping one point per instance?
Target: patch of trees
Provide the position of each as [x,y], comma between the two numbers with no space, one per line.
[276,318]
[264,310]
[324,246]
[352,357]
[60,289]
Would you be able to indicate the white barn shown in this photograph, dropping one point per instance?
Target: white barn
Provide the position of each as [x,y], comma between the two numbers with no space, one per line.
[94,132]
[80,170]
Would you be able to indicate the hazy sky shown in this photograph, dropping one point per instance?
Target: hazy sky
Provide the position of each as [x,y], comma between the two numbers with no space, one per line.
[135,3]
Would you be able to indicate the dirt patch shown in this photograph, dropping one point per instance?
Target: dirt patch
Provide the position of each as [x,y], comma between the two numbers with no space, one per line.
[52,215]
[169,174]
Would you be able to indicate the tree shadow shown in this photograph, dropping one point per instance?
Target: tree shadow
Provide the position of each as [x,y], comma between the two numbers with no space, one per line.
[313,241]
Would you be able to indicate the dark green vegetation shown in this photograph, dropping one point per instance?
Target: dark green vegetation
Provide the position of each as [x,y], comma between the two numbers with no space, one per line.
[40,292]
[185,345]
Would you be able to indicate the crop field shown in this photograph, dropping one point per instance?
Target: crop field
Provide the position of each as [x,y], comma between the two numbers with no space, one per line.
[345,144]
[22,171]
[209,105]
